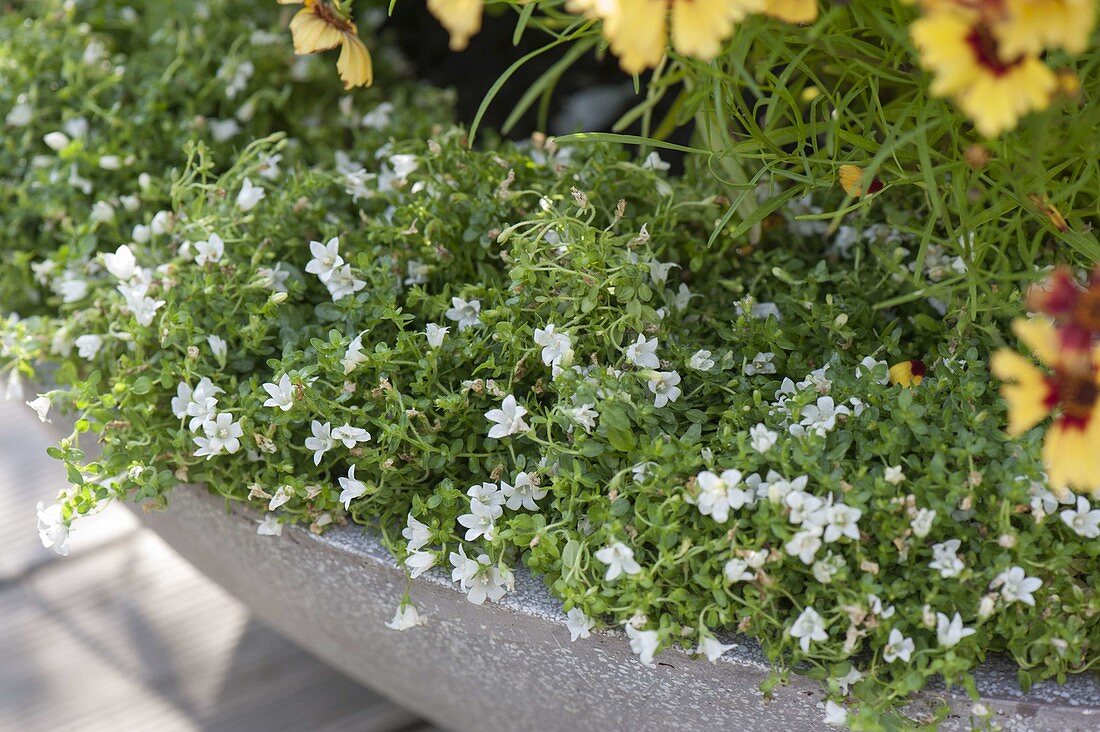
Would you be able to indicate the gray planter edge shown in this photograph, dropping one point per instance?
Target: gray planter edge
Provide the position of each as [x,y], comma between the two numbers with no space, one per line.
[347,567]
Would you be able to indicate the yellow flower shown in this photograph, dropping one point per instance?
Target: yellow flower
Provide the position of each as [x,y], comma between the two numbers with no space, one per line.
[792,11]
[461,18]
[1031,26]
[908,373]
[964,55]
[851,180]
[638,30]
[318,27]
[1071,447]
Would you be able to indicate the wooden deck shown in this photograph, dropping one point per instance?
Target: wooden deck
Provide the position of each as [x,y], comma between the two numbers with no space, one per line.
[125,635]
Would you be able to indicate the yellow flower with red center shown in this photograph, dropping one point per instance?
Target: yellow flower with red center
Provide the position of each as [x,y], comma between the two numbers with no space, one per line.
[908,373]
[970,67]
[639,30]
[1070,391]
[320,26]
[461,18]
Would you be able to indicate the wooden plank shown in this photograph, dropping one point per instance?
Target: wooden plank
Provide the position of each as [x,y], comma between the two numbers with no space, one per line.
[125,635]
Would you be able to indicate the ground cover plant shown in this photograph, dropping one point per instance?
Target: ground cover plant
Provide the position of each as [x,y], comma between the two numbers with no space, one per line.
[754,398]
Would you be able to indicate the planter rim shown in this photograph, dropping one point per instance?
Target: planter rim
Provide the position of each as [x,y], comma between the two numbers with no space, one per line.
[996,678]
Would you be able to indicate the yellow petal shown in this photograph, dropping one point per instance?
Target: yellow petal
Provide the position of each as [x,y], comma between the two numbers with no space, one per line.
[638,33]
[792,11]
[700,27]
[1026,390]
[1070,456]
[461,18]
[354,64]
[1040,337]
[311,34]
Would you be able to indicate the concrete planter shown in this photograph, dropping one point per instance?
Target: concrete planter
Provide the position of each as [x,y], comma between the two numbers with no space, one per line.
[511,666]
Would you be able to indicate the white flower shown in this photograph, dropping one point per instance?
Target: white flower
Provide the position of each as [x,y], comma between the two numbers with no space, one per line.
[718,494]
[56,141]
[898,646]
[490,582]
[643,353]
[523,494]
[435,334]
[761,364]
[841,521]
[141,234]
[350,488]
[269,526]
[1016,586]
[805,544]
[122,264]
[665,387]
[41,407]
[464,312]
[281,497]
[354,355]
[487,494]
[417,272]
[419,562]
[579,624]
[653,162]
[210,250]
[222,434]
[701,360]
[326,258]
[249,196]
[950,631]
[321,441]
[343,283]
[877,608]
[643,643]
[761,438]
[809,626]
[619,559]
[218,347]
[162,222]
[835,715]
[406,617]
[52,531]
[556,347]
[464,568]
[1083,521]
[944,559]
[200,404]
[223,130]
[508,420]
[269,166]
[481,521]
[821,417]
[713,648]
[416,533]
[879,370]
[817,379]
[87,346]
[737,570]
[894,474]
[282,394]
[144,309]
[379,117]
[585,415]
[20,115]
[72,288]
[403,165]
[103,212]
[922,522]
[349,435]
[658,271]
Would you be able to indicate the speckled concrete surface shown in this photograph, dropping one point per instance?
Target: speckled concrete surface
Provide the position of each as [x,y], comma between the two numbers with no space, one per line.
[499,668]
